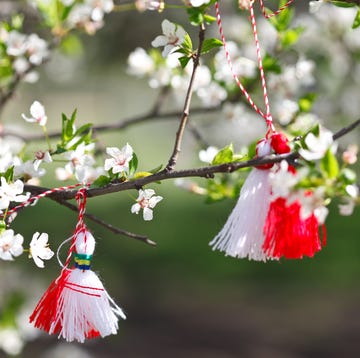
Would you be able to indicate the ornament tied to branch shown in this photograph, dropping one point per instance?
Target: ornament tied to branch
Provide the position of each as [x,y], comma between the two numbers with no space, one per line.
[76,305]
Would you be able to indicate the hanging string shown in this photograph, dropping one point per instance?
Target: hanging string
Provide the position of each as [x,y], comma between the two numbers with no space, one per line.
[277,12]
[40,196]
[228,58]
[266,116]
[80,226]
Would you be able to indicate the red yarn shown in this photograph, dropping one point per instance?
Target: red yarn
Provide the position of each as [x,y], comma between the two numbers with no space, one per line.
[279,143]
[45,311]
[287,234]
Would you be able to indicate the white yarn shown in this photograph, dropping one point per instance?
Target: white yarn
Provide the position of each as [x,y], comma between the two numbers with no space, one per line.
[84,304]
[242,235]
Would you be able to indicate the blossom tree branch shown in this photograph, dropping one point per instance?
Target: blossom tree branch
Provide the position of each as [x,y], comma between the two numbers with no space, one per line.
[204,172]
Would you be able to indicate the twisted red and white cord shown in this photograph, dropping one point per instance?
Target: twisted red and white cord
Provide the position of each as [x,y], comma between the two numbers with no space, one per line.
[266,116]
[46,193]
[277,12]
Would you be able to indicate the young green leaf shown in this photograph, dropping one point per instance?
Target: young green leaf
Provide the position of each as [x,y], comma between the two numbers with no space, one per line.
[210,44]
[342,3]
[133,164]
[356,22]
[225,155]
[184,60]
[329,164]
[101,181]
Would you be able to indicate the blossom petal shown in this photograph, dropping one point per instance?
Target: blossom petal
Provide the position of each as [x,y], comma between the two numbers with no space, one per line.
[154,200]
[147,214]
[159,41]
[168,27]
[135,208]
[113,151]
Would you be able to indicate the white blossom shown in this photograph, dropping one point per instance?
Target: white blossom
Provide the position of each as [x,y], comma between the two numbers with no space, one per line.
[28,169]
[10,341]
[212,95]
[41,157]
[313,203]
[350,154]
[79,159]
[317,146]
[36,49]
[140,63]
[347,208]
[282,181]
[208,155]
[88,174]
[142,5]
[198,3]
[146,200]
[173,36]
[21,65]
[37,112]
[314,6]
[16,43]
[120,159]
[10,245]
[11,192]
[39,249]
[285,110]
[67,2]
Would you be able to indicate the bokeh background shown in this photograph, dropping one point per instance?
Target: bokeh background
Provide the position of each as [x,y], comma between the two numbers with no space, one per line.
[181,299]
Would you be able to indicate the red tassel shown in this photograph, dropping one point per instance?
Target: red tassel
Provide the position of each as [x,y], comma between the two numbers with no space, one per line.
[287,234]
[45,310]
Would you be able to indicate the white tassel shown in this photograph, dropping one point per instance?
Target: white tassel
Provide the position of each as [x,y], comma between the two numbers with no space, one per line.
[242,235]
[85,310]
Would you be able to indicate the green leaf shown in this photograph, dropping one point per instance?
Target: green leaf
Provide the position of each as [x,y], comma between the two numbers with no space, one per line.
[291,36]
[210,44]
[342,3]
[225,155]
[157,169]
[329,164]
[133,164]
[184,60]
[187,43]
[71,45]
[9,174]
[140,175]
[306,103]
[347,176]
[209,19]
[196,15]
[84,128]
[271,64]
[101,181]
[356,22]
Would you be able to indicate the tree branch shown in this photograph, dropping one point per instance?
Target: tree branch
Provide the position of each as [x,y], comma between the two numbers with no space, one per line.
[204,172]
[180,132]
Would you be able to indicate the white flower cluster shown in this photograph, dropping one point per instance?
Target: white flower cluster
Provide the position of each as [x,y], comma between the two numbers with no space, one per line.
[26,51]
[88,14]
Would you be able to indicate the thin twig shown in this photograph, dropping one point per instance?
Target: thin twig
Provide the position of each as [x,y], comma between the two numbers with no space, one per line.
[92,217]
[180,132]
[346,130]
[122,124]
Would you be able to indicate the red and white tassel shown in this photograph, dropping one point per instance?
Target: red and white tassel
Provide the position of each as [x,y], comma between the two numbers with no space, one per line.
[76,306]
[287,233]
[242,235]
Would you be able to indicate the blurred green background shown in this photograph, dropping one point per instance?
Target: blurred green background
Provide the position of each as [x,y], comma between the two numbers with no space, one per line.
[181,299]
